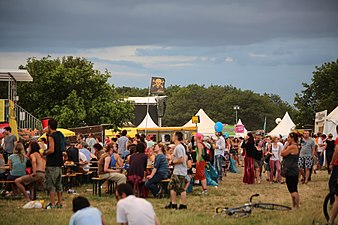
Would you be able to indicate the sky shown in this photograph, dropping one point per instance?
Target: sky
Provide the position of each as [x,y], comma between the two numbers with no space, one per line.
[268,46]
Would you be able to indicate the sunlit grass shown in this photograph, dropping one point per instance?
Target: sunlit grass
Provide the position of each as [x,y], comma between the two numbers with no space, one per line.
[231,192]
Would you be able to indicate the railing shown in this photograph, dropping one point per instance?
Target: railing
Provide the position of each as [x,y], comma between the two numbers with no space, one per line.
[26,120]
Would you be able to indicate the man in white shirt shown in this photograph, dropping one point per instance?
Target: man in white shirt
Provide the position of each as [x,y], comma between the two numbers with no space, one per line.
[219,154]
[131,210]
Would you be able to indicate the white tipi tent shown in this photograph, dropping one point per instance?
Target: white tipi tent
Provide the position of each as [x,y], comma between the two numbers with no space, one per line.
[147,122]
[331,123]
[245,130]
[206,125]
[284,127]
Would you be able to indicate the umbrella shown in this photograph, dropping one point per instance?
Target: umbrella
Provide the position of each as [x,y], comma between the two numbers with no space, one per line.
[65,132]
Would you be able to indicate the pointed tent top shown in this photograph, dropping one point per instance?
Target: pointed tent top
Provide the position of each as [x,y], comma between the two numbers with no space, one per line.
[147,122]
[284,127]
[206,125]
[333,114]
[239,122]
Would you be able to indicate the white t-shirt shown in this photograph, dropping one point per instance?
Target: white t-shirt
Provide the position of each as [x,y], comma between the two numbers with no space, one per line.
[320,142]
[220,146]
[180,169]
[83,158]
[86,216]
[135,211]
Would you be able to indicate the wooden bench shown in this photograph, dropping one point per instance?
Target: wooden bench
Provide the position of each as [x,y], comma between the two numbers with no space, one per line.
[97,183]
[164,184]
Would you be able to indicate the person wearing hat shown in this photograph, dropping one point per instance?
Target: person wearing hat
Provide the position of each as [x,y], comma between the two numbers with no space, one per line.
[200,162]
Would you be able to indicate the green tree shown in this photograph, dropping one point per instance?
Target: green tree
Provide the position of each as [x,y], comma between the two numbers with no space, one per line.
[70,90]
[320,95]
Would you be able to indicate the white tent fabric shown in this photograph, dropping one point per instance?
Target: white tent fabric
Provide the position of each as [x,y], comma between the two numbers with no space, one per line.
[206,125]
[331,123]
[147,122]
[284,127]
[245,130]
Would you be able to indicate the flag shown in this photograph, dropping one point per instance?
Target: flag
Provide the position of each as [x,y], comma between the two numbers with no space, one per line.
[264,127]
[157,85]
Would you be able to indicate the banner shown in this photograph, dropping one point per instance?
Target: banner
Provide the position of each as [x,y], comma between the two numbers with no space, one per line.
[2,110]
[229,129]
[239,128]
[157,85]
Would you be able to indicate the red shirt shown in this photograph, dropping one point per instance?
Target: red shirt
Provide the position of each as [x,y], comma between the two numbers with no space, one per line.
[335,144]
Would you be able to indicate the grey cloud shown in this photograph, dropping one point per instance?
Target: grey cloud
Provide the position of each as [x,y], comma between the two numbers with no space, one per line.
[57,25]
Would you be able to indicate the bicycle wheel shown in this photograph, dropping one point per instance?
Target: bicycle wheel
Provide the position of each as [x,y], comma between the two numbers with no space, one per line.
[238,212]
[242,211]
[271,206]
[325,204]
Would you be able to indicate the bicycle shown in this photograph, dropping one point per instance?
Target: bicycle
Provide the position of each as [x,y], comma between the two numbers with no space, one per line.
[246,209]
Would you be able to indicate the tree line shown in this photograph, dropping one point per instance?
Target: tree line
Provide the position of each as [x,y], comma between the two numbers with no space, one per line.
[72,91]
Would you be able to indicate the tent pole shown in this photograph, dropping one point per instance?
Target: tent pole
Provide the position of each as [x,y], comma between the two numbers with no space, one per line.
[145,131]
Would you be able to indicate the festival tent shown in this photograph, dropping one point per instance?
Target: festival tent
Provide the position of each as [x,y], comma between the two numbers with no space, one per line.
[206,126]
[284,127]
[147,122]
[331,123]
[65,132]
[239,132]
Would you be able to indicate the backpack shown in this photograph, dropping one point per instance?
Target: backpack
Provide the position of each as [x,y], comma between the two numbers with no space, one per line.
[207,153]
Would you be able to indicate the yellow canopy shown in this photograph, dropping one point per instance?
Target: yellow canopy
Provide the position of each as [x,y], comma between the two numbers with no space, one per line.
[131,132]
[65,132]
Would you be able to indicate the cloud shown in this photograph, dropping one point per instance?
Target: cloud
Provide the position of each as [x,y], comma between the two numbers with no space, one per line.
[229,59]
[42,25]
[257,55]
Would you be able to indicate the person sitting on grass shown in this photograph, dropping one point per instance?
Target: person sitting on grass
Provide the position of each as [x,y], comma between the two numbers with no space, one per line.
[38,171]
[84,214]
[131,210]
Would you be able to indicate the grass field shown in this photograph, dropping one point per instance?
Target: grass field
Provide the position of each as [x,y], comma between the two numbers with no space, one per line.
[231,192]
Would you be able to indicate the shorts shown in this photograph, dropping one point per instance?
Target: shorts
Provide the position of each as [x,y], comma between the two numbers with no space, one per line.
[187,178]
[292,183]
[177,183]
[234,151]
[200,174]
[11,177]
[336,189]
[28,179]
[258,164]
[53,180]
[267,166]
[305,162]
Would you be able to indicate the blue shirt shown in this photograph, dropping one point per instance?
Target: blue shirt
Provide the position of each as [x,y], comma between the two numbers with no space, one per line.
[86,216]
[161,164]
[18,167]
[86,152]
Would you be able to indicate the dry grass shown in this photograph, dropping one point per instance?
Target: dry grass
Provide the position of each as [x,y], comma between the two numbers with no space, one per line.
[231,192]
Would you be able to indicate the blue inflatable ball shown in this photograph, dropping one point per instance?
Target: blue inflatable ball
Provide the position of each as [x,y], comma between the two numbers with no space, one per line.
[226,135]
[218,127]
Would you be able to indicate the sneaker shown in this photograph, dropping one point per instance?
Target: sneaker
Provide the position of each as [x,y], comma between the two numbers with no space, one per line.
[59,206]
[182,207]
[171,206]
[50,206]
[204,192]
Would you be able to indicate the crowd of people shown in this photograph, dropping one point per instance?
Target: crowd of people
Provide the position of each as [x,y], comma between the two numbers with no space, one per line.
[138,165]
